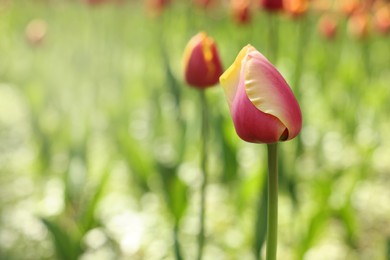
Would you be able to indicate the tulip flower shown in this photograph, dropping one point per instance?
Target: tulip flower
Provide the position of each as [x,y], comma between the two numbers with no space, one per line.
[262,105]
[272,5]
[296,8]
[264,110]
[156,7]
[100,2]
[36,31]
[382,19]
[358,25]
[241,11]
[203,3]
[202,69]
[327,26]
[349,7]
[202,66]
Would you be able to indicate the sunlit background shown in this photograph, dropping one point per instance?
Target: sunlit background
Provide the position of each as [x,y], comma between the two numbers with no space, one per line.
[100,134]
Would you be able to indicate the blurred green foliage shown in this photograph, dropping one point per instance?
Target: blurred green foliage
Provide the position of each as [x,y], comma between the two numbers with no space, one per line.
[99,139]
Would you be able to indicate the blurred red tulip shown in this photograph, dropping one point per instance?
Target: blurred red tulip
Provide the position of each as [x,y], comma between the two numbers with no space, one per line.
[358,25]
[36,31]
[327,26]
[262,105]
[156,7]
[241,11]
[382,19]
[272,5]
[202,66]
[296,7]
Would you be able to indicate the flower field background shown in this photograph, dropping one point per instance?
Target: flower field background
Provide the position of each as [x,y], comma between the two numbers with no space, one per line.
[100,135]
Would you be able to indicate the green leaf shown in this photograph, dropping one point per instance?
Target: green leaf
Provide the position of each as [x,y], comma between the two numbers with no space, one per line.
[347,217]
[173,84]
[65,246]
[88,217]
[138,160]
[175,191]
[228,151]
[287,181]
[315,225]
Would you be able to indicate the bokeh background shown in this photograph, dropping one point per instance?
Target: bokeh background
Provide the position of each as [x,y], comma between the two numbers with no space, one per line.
[100,134]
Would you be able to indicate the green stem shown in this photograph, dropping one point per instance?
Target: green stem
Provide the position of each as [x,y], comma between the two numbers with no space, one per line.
[272,220]
[201,235]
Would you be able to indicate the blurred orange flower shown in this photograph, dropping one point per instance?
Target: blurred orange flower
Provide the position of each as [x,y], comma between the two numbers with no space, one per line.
[349,7]
[296,7]
[382,19]
[358,25]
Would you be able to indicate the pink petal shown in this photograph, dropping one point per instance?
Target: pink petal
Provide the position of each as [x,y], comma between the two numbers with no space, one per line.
[251,124]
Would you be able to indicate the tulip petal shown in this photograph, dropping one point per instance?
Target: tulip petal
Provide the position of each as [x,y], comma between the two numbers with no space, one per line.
[270,93]
[251,124]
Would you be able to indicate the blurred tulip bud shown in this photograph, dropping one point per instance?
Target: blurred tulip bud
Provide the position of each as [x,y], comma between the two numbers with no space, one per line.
[203,3]
[349,7]
[202,66]
[95,2]
[36,31]
[262,105]
[320,5]
[241,11]
[296,7]
[358,25]
[156,7]
[382,19]
[272,5]
[327,26]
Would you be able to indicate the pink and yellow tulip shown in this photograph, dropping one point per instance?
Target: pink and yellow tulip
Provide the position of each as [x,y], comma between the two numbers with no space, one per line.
[202,66]
[262,105]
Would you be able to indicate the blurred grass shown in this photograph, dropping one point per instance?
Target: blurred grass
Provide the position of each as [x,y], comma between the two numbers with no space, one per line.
[99,138]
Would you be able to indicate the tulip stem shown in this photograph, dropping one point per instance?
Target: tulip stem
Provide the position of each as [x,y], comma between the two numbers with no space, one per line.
[272,219]
[201,235]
